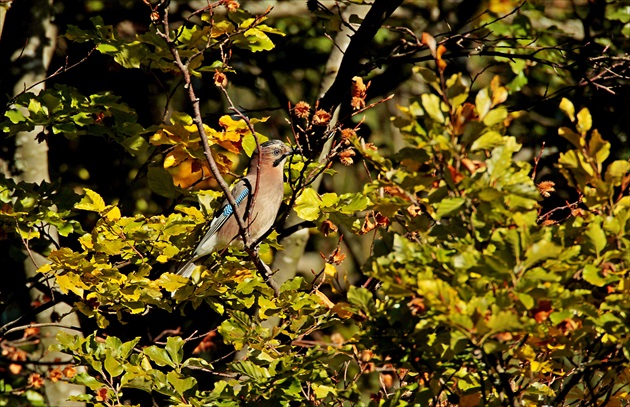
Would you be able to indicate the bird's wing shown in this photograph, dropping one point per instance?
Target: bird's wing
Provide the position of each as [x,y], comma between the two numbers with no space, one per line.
[240,192]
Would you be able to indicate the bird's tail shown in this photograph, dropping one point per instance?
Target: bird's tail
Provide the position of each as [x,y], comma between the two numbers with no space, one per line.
[187,269]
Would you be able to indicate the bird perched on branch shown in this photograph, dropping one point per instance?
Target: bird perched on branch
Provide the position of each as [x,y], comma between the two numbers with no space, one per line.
[258,197]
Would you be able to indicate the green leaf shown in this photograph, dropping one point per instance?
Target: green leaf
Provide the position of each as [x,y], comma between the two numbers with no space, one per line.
[448,206]
[161,182]
[431,105]
[616,171]
[112,366]
[88,381]
[135,145]
[495,116]
[159,356]
[595,238]
[322,391]
[307,205]
[483,103]
[127,347]
[592,276]
[15,116]
[252,370]
[362,298]
[175,348]
[540,251]
[487,141]
[180,382]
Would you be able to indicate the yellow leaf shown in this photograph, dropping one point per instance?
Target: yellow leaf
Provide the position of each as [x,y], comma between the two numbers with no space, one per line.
[325,300]
[567,107]
[330,270]
[575,139]
[542,367]
[343,310]
[585,121]
[91,201]
[113,214]
[499,93]
[71,282]
[175,157]
[230,124]
[46,268]
[28,234]
[86,241]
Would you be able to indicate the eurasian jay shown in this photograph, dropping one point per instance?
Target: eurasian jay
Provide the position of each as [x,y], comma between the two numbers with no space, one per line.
[258,214]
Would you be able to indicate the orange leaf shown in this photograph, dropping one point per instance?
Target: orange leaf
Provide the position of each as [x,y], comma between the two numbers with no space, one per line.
[438,58]
[428,40]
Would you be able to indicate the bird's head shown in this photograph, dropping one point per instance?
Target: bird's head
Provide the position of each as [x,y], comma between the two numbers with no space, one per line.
[274,152]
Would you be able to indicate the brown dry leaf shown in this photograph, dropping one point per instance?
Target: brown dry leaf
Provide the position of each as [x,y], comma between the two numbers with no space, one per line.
[55,375]
[337,257]
[359,92]
[542,312]
[328,227]
[545,188]
[232,5]
[348,134]
[381,219]
[337,339]
[35,380]
[414,210]
[503,336]
[569,325]
[69,372]
[464,114]
[578,212]
[31,331]
[417,306]
[472,165]
[387,380]
[301,110]
[14,368]
[321,118]
[368,225]
[345,157]
[456,175]
[396,191]
[101,394]
[366,355]
[220,79]
[369,146]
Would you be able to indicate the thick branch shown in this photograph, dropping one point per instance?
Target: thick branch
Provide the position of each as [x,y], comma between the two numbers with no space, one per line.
[360,43]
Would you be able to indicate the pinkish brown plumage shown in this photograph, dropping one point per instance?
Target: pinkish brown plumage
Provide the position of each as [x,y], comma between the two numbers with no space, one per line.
[258,200]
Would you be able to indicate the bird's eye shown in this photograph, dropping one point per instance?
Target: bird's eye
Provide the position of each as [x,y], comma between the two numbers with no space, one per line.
[276,152]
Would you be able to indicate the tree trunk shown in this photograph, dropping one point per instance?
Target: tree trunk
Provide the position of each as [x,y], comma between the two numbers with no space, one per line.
[32,43]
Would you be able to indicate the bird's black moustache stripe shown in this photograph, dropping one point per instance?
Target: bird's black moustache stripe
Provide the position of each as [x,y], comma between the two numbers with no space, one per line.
[279,160]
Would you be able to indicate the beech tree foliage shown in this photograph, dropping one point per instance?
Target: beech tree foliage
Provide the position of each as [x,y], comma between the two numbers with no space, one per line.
[463,177]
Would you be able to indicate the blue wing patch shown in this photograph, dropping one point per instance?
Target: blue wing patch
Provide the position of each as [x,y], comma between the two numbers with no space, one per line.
[227,211]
